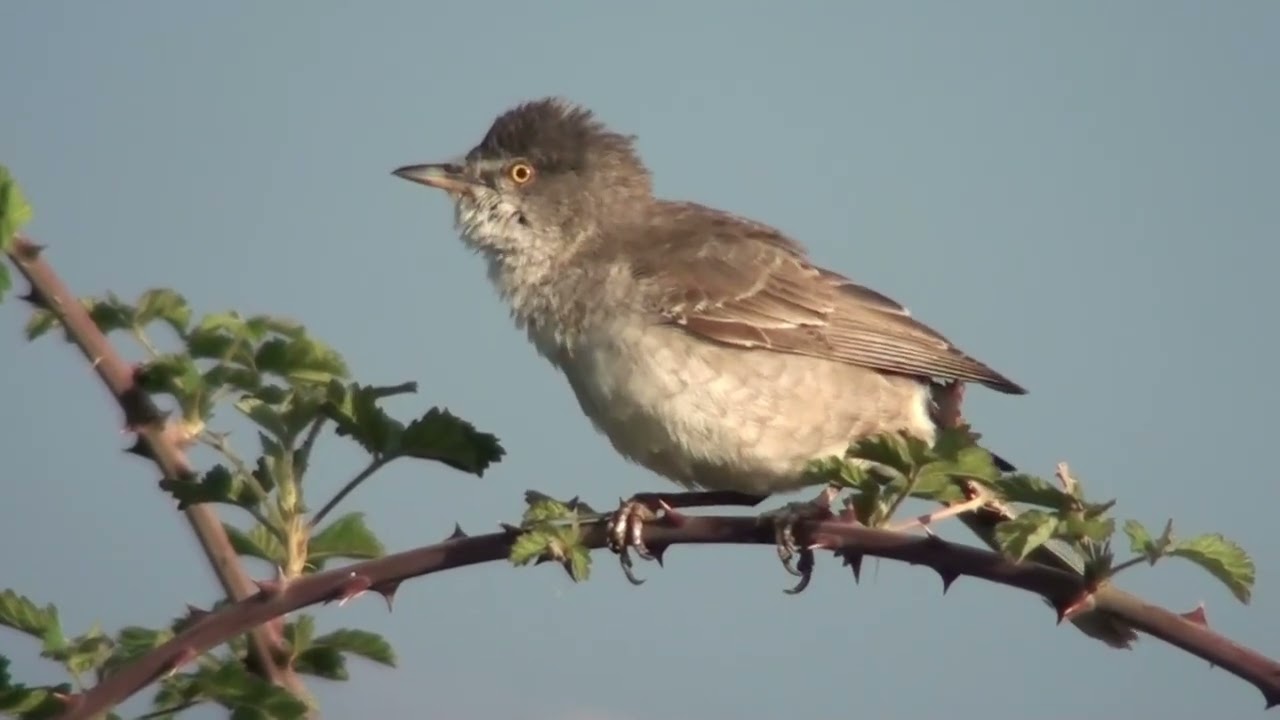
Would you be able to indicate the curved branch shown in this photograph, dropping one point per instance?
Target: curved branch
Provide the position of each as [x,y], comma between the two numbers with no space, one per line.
[384,575]
[156,441]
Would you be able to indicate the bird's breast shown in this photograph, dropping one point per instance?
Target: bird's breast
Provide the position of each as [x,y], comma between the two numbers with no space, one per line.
[712,416]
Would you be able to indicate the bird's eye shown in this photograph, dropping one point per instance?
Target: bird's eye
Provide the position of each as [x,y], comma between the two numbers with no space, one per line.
[520,173]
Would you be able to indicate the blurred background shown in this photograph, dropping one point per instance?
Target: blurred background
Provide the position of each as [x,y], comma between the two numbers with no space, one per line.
[1085,195]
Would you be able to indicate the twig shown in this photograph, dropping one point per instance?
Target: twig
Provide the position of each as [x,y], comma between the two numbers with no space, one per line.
[374,466]
[384,575]
[141,415]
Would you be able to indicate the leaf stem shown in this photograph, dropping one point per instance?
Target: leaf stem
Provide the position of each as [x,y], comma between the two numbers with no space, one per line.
[304,452]
[1138,560]
[374,466]
[218,442]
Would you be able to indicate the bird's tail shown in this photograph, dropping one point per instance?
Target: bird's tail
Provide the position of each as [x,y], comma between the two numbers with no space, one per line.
[1055,554]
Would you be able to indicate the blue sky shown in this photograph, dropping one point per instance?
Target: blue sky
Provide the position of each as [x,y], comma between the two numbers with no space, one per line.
[1082,194]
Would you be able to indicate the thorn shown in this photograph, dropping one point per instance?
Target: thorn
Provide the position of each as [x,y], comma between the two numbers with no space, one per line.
[657,551]
[853,561]
[670,516]
[948,577]
[457,533]
[68,700]
[269,588]
[510,530]
[353,587]
[1081,604]
[195,614]
[184,656]
[1196,615]
[141,448]
[35,299]
[388,592]
[27,250]
[1272,700]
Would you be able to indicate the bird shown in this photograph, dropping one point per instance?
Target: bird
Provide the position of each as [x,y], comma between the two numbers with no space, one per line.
[705,346]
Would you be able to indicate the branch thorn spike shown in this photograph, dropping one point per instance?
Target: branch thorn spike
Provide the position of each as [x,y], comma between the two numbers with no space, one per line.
[457,533]
[353,587]
[388,592]
[948,577]
[1196,615]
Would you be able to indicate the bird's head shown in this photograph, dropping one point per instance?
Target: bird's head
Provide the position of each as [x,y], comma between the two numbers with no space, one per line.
[544,178]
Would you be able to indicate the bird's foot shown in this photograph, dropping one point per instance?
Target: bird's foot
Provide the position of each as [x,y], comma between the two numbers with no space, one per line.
[784,521]
[624,529]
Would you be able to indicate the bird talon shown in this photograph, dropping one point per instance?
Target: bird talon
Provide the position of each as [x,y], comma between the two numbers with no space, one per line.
[624,531]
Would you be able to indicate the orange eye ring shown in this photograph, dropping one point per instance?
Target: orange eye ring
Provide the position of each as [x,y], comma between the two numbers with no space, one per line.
[520,173]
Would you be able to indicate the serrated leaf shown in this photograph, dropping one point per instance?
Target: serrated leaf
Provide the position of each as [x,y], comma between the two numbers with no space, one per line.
[19,613]
[355,411]
[347,537]
[265,416]
[1223,558]
[324,662]
[110,313]
[529,546]
[15,212]
[175,375]
[1022,535]
[235,688]
[368,645]
[40,322]
[259,543]
[1081,528]
[88,652]
[578,563]
[936,481]
[225,375]
[1140,542]
[892,450]
[444,437]
[1031,490]
[543,508]
[133,642]
[300,359]
[166,305]
[300,634]
[218,485]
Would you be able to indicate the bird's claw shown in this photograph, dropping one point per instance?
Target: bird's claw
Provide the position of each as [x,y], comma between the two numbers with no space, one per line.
[624,531]
[784,522]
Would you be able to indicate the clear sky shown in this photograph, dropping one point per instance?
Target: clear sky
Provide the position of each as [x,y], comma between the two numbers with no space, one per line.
[1085,195]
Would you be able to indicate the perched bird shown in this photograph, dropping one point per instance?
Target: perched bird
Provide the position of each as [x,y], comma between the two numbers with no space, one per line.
[705,346]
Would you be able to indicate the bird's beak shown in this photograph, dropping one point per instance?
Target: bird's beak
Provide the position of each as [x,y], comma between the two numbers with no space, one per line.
[447,176]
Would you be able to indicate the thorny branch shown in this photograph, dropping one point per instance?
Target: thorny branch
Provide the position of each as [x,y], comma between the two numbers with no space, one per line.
[161,441]
[1065,591]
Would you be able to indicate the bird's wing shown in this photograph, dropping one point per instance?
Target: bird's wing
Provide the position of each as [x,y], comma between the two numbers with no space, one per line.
[744,284]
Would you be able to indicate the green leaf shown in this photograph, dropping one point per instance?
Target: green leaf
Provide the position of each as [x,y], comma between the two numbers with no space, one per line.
[19,613]
[543,508]
[225,375]
[578,564]
[529,546]
[322,661]
[1140,542]
[368,645]
[267,417]
[235,688]
[355,411]
[28,702]
[176,375]
[133,642]
[219,485]
[15,212]
[259,543]
[86,653]
[300,634]
[300,359]
[1020,536]
[110,313]
[1078,529]
[937,481]
[892,450]
[1223,558]
[1031,490]
[222,336]
[347,537]
[163,304]
[439,435]
[40,322]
